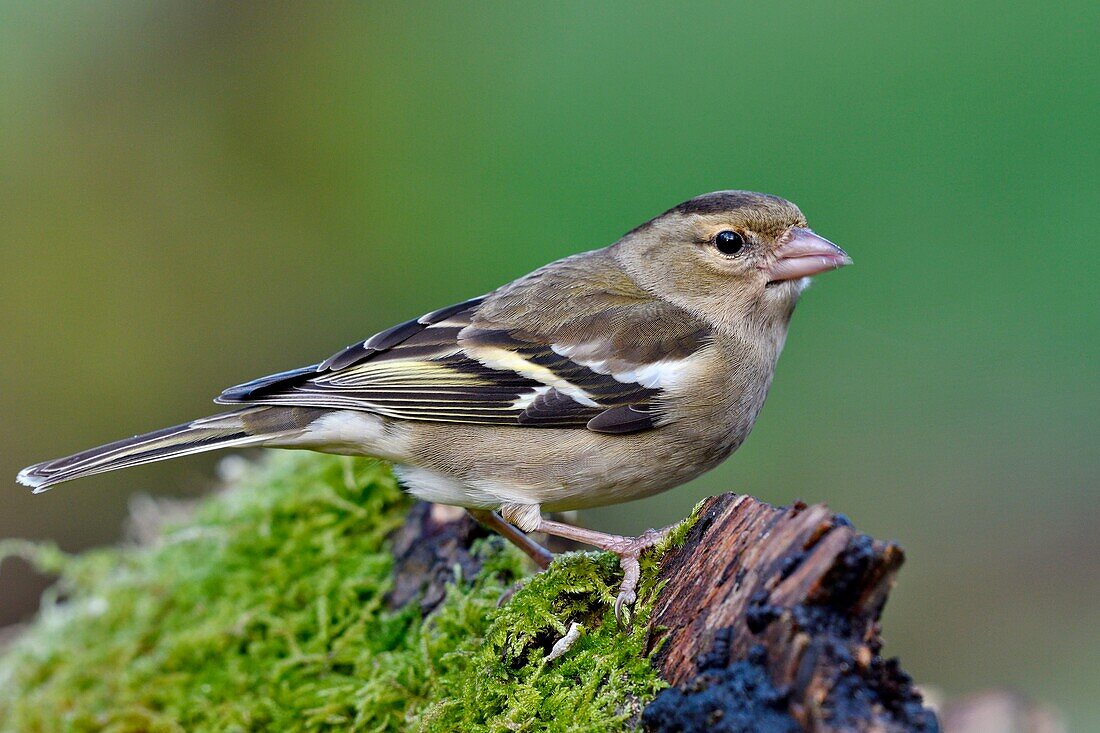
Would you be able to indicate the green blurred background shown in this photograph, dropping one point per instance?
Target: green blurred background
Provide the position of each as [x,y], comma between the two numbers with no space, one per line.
[192,195]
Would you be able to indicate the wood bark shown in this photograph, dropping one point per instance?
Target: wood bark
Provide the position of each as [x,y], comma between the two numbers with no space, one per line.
[768,620]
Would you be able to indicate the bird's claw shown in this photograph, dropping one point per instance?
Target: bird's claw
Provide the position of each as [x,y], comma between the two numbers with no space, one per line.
[632,570]
[629,550]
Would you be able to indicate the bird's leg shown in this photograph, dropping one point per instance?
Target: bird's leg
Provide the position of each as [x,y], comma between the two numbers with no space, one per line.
[629,549]
[532,549]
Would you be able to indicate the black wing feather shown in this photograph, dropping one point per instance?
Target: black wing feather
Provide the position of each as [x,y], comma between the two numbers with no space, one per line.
[623,419]
[348,356]
[431,368]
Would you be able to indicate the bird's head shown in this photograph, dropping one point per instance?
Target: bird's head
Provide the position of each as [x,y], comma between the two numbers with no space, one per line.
[729,255]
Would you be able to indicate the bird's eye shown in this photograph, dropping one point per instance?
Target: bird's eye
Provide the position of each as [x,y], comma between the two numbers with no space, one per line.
[729,242]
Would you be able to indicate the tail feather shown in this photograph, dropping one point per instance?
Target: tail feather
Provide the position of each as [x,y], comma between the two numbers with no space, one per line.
[249,426]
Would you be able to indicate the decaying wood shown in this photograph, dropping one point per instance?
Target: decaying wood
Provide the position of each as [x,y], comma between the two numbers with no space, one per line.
[428,549]
[769,620]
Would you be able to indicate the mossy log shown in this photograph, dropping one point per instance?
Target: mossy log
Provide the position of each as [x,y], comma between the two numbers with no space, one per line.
[312,594]
[766,619]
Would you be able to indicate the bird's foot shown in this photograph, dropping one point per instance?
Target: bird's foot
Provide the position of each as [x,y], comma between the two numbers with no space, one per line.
[629,550]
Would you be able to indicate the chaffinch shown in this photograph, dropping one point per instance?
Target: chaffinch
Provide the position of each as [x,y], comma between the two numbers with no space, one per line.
[600,378]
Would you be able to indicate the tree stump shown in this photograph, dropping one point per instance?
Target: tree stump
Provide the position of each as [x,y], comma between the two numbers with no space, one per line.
[768,621]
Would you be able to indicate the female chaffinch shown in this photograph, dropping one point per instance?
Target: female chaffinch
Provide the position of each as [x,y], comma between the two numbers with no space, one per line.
[600,378]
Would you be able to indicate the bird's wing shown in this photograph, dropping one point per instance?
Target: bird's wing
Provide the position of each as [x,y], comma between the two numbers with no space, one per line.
[545,351]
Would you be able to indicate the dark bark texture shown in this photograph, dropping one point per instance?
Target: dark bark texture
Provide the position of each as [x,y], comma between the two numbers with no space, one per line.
[768,621]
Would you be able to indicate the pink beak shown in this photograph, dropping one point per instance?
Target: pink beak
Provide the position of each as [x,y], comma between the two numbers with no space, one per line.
[802,254]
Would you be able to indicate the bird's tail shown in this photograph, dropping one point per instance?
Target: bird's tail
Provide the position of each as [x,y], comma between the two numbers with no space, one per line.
[246,427]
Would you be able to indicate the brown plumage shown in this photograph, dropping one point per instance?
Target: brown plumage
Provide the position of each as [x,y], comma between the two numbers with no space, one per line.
[601,378]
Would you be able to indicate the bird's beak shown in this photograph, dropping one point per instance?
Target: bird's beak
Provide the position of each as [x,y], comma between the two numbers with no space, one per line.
[802,253]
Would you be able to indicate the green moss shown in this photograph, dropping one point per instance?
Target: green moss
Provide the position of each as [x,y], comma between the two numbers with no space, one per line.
[264,610]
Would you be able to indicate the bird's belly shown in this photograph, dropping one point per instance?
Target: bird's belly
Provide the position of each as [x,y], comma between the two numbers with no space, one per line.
[492,491]
[558,469]
[443,488]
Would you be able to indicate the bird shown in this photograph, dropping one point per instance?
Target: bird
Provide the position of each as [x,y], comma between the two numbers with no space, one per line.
[601,378]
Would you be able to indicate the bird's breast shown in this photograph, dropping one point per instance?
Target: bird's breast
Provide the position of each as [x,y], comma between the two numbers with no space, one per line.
[716,401]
